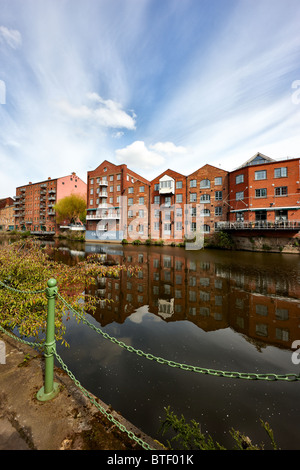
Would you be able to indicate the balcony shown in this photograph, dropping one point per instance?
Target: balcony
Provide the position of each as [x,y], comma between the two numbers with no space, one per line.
[103,183]
[166,185]
[259,225]
[103,194]
[107,215]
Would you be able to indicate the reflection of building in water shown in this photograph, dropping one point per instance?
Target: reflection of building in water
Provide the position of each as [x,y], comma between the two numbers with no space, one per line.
[212,296]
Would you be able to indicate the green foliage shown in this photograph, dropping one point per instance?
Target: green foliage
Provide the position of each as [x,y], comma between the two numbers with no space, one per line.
[221,240]
[25,266]
[188,436]
[71,208]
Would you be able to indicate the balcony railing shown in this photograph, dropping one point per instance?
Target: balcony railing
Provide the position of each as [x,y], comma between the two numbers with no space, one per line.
[259,225]
[112,215]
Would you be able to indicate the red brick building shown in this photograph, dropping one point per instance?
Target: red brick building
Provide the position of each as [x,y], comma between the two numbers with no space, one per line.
[34,202]
[7,214]
[207,188]
[118,203]
[265,190]
[168,199]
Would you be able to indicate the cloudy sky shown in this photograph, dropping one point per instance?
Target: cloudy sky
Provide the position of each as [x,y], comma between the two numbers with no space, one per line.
[155,84]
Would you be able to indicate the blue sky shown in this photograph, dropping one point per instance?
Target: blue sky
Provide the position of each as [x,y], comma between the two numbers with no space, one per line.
[155,84]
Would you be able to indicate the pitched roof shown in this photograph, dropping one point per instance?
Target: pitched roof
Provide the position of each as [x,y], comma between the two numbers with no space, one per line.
[257,159]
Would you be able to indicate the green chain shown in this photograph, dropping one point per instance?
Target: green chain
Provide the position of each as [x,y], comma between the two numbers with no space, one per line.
[200,370]
[20,340]
[22,291]
[122,428]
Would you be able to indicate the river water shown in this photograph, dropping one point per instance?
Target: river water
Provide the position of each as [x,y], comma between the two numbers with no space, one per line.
[232,311]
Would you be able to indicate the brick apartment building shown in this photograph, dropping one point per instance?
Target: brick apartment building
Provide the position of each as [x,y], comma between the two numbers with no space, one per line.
[7,220]
[168,200]
[34,202]
[118,203]
[207,188]
[265,190]
[173,207]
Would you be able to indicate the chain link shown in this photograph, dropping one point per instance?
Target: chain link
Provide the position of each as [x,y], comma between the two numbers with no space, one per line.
[14,289]
[139,352]
[39,345]
[186,367]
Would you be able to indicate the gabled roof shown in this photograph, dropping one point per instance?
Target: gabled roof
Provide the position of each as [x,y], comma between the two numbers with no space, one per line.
[257,159]
[169,172]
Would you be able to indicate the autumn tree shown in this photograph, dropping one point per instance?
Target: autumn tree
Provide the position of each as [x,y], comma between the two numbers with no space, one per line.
[72,208]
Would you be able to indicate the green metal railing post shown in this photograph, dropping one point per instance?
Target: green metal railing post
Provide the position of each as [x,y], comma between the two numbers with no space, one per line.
[50,388]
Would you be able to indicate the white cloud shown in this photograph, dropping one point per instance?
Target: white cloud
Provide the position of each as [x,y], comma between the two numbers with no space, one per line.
[138,155]
[106,113]
[11,37]
[168,148]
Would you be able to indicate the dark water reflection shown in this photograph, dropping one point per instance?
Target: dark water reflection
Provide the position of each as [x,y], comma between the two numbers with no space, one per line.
[233,311]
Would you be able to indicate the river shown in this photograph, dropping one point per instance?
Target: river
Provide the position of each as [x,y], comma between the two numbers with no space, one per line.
[221,310]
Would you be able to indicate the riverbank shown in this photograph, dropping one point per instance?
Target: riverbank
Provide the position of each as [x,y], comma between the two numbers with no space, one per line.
[67,422]
[274,243]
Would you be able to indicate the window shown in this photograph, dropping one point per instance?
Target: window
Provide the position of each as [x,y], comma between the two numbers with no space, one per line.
[118,188]
[239,216]
[156,199]
[261,309]
[206,228]
[193,183]
[178,197]
[239,196]
[205,212]
[105,169]
[156,213]
[178,226]
[193,227]
[111,178]
[218,181]
[193,211]
[167,227]
[260,175]
[130,201]
[261,192]
[130,190]
[239,179]
[178,212]
[141,200]
[204,184]
[165,184]
[218,195]
[141,213]
[205,198]
[92,191]
[218,211]
[168,215]
[142,189]
[178,184]
[130,213]
[281,191]
[280,172]
[281,214]
[92,181]
[193,197]
[156,226]
[119,176]
[156,187]
[111,189]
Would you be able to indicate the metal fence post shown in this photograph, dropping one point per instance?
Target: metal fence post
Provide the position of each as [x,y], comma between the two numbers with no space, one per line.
[50,388]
